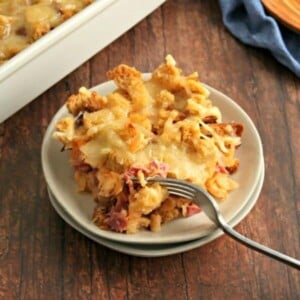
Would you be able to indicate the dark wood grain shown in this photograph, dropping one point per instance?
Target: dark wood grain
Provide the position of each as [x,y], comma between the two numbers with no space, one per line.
[41,257]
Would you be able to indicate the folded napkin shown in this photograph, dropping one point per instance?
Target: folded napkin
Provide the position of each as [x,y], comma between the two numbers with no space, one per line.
[248,21]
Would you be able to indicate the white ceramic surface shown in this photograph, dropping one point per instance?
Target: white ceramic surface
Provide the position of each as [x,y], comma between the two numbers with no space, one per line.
[59,176]
[59,52]
[164,249]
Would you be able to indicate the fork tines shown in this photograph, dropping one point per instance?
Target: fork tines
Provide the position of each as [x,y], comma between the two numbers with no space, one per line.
[175,186]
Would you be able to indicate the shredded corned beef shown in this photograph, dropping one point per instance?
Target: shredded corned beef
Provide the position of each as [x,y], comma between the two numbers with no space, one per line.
[121,204]
[221,169]
[192,209]
[83,167]
[118,221]
[158,168]
[133,171]
[154,168]
[117,217]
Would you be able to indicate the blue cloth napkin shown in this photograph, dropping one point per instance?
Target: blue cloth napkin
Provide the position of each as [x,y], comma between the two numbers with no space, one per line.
[248,21]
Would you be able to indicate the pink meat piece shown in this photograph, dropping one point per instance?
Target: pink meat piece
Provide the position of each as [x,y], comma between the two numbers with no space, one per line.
[129,183]
[158,168]
[118,221]
[83,167]
[121,204]
[221,169]
[154,168]
[133,171]
[192,209]
[127,178]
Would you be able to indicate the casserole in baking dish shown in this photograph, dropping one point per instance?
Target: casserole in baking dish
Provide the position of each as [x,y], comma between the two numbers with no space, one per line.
[44,62]
[24,21]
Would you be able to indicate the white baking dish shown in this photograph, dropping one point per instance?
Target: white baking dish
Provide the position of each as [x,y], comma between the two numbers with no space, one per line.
[50,58]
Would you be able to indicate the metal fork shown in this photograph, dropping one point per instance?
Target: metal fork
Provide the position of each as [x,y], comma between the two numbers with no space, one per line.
[211,209]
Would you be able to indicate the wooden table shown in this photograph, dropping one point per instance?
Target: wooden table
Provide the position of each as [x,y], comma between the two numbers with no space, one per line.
[41,257]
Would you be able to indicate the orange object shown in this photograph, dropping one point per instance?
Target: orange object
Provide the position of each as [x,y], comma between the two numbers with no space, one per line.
[286,11]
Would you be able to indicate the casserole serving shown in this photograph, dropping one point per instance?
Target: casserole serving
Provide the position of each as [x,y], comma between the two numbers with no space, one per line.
[165,126]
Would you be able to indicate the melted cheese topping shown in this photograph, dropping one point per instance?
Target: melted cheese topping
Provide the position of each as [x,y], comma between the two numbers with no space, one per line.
[182,159]
[162,119]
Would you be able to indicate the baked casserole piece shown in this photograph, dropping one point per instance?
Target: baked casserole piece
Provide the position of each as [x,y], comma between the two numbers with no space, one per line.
[165,126]
[24,21]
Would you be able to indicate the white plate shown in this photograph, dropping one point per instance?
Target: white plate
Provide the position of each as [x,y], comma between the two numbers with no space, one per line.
[59,176]
[143,250]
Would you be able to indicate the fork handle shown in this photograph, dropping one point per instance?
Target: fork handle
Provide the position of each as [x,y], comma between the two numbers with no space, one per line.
[293,262]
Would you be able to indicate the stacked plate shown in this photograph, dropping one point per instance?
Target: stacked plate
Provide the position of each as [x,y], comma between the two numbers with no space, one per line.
[176,236]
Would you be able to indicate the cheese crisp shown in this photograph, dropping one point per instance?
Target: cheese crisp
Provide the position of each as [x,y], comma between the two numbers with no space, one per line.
[165,127]
[24,21]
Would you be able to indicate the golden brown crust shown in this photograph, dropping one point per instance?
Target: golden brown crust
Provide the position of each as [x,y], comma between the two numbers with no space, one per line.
[84,101]
[39,30]
[231,128]
[5,26]
[130,80]
[220,185]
